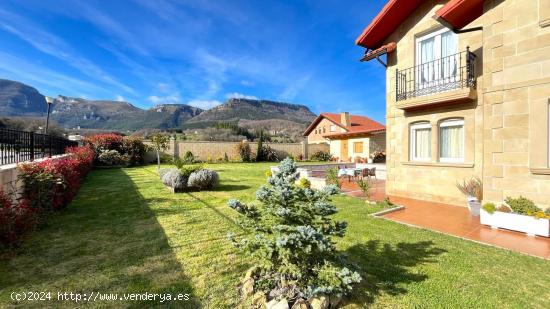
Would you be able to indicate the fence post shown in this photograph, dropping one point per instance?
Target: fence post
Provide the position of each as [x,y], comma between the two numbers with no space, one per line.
[50,145]
[304,150]
[175,147]
[31,146]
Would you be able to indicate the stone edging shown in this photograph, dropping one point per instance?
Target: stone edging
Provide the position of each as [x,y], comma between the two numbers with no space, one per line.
[387,211]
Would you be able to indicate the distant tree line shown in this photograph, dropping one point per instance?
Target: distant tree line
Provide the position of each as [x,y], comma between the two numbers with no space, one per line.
[31,125]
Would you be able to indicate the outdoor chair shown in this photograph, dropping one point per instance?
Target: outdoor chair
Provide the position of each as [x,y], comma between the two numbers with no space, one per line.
[364,173]
[372,172]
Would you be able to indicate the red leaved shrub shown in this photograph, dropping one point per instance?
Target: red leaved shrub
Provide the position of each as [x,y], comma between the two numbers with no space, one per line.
[131,149]
[52,183]
[47,186]
[15,219]
[105,141]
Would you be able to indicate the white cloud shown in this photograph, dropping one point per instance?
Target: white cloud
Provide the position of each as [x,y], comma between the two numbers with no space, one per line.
[204,104]
[37,75]
[236,95]
[247,83]
[119,98]
[54,46]
[173,98]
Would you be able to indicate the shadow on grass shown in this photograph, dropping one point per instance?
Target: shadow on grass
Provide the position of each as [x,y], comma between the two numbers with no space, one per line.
[384,267]
[229,188]
[214,209]
[107,241]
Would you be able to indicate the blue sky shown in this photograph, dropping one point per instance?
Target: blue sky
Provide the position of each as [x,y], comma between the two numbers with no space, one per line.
[195,52]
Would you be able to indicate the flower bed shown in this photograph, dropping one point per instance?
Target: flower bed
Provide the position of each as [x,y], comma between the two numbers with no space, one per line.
[517,214]
[516,222]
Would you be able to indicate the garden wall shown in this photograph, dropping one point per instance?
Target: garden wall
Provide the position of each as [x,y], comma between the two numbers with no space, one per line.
[217,150]
[9,174]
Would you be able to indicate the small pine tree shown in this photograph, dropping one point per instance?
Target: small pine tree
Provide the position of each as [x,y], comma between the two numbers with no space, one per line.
[365,186]
[292,238]
[260,149]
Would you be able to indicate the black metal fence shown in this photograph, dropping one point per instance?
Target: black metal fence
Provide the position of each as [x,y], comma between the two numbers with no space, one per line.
[447,73]
[19,146]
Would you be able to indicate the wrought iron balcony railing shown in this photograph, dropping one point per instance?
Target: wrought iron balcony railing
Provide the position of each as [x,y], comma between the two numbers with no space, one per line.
[440,75]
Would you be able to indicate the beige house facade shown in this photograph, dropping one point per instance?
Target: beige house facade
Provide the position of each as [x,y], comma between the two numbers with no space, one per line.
[466,101]
[351,138]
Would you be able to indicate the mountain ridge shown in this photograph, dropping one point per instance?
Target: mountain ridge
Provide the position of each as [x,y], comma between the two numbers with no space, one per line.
[20,100]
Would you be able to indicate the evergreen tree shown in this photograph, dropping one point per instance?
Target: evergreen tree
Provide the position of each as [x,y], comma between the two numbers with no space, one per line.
[260,150]
[291,238]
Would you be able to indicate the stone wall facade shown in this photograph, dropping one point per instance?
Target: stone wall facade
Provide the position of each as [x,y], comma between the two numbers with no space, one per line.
[516,92]
[506,119]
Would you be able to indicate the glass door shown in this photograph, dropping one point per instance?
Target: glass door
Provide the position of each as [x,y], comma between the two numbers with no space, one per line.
[436,58]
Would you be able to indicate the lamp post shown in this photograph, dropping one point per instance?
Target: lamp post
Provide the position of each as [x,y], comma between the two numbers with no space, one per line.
[49,101]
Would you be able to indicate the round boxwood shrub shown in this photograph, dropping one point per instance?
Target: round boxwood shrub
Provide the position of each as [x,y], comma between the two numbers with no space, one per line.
[174,179]
[203,179]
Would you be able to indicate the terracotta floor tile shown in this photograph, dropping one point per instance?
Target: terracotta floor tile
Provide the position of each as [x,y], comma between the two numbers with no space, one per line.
[452,220]
[457,221]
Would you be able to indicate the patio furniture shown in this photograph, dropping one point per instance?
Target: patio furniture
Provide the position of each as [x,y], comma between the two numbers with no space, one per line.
[372,172]
[350,172]
[364,173]
[368,172]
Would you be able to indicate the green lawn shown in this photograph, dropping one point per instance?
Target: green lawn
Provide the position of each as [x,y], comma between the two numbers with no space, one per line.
[126,233]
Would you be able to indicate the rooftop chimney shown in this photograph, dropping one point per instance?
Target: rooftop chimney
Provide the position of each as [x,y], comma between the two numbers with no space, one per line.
[344,119]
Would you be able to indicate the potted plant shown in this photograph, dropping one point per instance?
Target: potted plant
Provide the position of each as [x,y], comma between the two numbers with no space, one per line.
[517,214]
[370,159]
[473,190]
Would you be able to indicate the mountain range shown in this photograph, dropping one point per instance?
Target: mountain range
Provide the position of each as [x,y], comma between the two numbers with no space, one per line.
[20,100]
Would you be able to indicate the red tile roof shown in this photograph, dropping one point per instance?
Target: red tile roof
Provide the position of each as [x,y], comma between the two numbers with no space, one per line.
[359,125]
[459,13]
[455,13]
[387,20]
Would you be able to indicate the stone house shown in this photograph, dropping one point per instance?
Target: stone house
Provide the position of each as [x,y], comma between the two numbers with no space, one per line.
[350,137]
[468,89]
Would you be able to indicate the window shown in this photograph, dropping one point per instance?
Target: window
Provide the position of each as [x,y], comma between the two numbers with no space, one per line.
[358,147]
[451,140]
[324,130]
[315,131]
[421,141]
[436,57]
[333,128]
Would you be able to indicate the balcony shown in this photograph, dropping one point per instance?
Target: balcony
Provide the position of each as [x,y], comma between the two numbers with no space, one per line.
[448,79]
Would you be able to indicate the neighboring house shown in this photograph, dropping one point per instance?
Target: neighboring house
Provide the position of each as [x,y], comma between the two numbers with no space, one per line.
[350,136]
[468,102]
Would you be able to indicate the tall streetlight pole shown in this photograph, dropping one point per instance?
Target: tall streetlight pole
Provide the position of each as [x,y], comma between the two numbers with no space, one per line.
[49,101]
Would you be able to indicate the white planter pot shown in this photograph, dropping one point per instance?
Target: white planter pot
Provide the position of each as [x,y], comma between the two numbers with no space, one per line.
[474,205]
[369,160]
[515,222]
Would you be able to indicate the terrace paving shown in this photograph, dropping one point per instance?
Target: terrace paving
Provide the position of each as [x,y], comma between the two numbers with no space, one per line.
[452,220]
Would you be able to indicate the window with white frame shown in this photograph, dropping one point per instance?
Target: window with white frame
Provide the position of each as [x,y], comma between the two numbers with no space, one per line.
[451,140]
[420,141]
[436,57]
[332,128]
